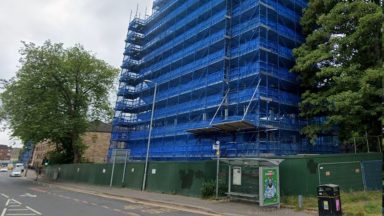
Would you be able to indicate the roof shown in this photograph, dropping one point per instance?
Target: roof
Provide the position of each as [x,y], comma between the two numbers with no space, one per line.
[99,126]
[4,147]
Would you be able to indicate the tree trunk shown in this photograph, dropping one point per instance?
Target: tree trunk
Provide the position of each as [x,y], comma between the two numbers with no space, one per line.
[76,148]
[76,156]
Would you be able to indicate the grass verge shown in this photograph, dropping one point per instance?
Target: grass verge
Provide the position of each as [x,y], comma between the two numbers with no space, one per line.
[361,203]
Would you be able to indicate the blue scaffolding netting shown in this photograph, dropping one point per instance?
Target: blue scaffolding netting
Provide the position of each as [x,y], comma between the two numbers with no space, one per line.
[222,74]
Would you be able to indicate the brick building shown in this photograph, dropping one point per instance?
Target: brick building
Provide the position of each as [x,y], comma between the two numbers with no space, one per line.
[5,152]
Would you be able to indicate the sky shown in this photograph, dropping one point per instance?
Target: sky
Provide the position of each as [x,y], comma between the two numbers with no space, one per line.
[100,26]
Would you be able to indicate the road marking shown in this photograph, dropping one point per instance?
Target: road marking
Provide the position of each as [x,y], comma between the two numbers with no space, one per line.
[117,210]
[4,210]
[15,201]
[5,196]
[20,214]
[14,208]
[33,210]
[104,206]
[28,195]
[17,209]
[85,202]
[94,204]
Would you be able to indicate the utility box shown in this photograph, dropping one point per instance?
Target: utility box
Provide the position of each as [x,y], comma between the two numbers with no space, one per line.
[329,201]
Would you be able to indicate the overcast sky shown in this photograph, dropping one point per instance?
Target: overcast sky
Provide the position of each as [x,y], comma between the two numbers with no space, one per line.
[100,26]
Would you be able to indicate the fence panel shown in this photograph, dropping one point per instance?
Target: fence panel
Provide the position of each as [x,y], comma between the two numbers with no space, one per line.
[372,174]
[345,174]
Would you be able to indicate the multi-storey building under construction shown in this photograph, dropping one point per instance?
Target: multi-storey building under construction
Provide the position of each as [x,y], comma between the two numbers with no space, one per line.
[221,73]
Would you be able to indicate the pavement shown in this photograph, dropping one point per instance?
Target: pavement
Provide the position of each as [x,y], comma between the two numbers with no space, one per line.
[178,205]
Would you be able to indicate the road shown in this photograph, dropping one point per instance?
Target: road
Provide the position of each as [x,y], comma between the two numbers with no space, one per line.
[20,197]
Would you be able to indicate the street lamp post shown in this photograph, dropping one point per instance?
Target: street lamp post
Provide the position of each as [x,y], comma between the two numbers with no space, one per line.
[149,134]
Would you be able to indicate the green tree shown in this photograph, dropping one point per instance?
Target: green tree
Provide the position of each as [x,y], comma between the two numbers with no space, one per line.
[341,69]
[56,93]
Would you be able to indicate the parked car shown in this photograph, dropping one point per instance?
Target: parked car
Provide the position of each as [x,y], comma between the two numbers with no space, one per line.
[4,169]
[15,173]
[19,166]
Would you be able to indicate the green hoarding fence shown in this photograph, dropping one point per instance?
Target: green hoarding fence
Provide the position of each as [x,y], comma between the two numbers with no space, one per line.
[372,174]
[299,175]
[167,177]
[347,175]
[184,177]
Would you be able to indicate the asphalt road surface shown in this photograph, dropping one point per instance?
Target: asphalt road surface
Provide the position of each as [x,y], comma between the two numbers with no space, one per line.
[19,197]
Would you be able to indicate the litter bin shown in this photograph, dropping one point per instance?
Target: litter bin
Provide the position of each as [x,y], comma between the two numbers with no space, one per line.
[329,200]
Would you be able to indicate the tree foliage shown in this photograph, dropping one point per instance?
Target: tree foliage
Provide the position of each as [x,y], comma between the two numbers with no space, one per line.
[56,92]
[341,67]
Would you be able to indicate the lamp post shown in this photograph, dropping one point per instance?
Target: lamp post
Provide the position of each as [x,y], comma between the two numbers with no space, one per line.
[149,134]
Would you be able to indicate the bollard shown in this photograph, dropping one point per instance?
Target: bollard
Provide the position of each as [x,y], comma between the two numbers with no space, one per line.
[300,200]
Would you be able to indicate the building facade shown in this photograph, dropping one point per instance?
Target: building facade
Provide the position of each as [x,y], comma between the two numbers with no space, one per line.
[15,154]
[220,70]
[5,153]
[40,153]
[96,140]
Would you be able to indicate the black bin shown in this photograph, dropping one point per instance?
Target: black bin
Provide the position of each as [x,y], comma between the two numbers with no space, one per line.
[329,201]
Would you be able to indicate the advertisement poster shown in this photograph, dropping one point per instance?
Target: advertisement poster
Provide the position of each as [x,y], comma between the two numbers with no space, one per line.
[236,176]
[269,186]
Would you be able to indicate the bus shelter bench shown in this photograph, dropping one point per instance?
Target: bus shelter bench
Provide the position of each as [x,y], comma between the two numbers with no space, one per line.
[243,196]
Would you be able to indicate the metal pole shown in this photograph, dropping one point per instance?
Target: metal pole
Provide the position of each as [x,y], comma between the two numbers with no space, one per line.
[229,180]
[366,137]
[113,168]
[378,139]
[250,101]
[354,142]
[125,167]
[217,172]
[149,139]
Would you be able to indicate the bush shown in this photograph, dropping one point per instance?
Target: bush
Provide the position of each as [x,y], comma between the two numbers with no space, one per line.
[208,189]
[59,158]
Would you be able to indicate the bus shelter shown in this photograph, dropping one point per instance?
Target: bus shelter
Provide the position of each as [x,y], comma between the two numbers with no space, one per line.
[254,179]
